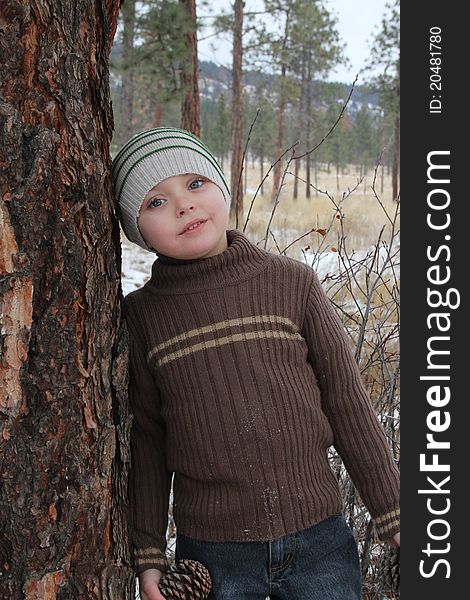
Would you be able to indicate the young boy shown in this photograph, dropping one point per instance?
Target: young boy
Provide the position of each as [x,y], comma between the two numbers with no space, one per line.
[240,380]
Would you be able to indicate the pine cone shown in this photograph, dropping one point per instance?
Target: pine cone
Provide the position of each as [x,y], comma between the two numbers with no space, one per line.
[390,570]
[186,580]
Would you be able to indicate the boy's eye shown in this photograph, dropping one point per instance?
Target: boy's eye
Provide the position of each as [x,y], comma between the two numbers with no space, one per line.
[156,202]
[196,183]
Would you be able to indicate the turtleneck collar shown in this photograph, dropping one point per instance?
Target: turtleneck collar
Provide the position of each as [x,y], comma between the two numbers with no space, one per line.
[241,260]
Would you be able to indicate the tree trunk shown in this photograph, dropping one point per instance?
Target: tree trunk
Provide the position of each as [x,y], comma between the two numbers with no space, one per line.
[237,116]
[127,89]
[308,108]
[190,110]
[282,108]
[396,159]
[280,138]
[261,171]
[64,419]
[158,104]
[300,125]
[245,186]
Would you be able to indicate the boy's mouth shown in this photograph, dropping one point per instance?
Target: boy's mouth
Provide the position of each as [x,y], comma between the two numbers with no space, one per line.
[194,225]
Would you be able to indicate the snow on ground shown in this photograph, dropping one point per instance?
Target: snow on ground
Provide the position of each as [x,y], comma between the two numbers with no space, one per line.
[137,263]
[136,266]
[331,262]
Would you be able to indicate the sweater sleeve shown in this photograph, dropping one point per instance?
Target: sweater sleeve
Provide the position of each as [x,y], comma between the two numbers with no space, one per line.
[149,481]
[358,436]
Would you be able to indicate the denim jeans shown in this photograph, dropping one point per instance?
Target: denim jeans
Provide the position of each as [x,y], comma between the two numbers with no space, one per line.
[319,563]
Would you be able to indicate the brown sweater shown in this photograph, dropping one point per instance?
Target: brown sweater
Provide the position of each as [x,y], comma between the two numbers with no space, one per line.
[241,378]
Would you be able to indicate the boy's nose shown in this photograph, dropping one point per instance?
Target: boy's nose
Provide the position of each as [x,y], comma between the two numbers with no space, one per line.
[184,207]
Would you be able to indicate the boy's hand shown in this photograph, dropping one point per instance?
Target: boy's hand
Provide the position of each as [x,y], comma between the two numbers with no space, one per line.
[148,585]
[395,540]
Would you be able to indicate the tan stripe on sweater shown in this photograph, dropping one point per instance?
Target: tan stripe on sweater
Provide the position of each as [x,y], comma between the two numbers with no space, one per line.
[221,325]
[382,529]
[219,342]
[390,515]
[153,552]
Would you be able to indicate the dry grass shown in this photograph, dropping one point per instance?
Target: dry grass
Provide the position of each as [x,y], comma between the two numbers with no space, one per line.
[363,216]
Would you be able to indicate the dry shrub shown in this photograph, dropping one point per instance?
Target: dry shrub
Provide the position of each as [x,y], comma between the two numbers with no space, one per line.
[353,244]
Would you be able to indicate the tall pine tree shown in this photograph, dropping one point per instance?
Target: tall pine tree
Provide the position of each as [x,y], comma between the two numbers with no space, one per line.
[385,55]
[64,443]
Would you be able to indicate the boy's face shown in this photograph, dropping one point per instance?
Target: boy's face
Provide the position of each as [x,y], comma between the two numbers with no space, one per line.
[185,217]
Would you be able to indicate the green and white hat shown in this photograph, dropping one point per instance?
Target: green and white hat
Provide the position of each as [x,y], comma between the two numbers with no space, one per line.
[152,156]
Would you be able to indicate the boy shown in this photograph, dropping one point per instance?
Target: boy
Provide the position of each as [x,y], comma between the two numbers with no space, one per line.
[240,380]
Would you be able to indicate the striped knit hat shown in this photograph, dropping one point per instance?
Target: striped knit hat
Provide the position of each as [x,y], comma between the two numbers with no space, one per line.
[150,157]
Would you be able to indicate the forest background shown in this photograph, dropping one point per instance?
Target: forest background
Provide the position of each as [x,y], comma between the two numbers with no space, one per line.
[313,165]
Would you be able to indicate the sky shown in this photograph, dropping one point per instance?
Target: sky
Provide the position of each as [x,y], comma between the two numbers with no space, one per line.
[358,21]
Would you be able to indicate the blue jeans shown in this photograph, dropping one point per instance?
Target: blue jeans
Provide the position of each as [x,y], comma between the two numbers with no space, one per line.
[319,563]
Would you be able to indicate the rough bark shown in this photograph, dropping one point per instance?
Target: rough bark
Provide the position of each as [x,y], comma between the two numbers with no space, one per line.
[237,116]
[64,420]
[190,110]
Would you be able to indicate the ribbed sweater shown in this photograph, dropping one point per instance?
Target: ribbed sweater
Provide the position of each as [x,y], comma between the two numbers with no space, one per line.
[241,378]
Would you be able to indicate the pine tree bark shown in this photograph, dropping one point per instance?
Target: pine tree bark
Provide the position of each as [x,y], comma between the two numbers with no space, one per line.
[190,110]
[64,419]
[237,116]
